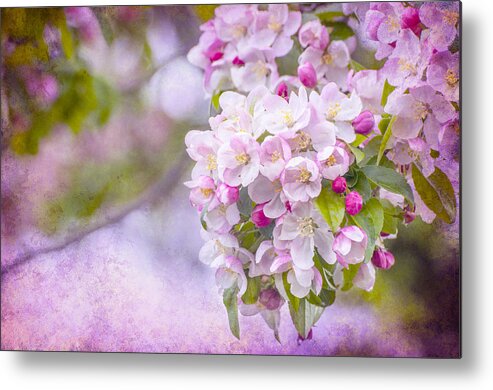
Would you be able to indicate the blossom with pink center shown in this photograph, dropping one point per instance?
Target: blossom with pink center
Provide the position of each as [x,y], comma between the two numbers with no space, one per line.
[307,75]
[285,118]
[274,153]
[410,19]
[337,108]
[314,34]
[306,230]
[421,108]
[350,245]
[301,180]
[282,90]
[233,21]
[442,19]
[443,74]
[238,160]
[273,28]
[202,191]
[354,203]
[258,217]
[382,259]
[365,277]
[227,195]
[202,147]
[406,65]
[339,185]
[334,162]
[269,193]
[231,274]
[330,64]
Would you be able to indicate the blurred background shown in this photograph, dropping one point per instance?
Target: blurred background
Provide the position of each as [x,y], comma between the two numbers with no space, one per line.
[99,243]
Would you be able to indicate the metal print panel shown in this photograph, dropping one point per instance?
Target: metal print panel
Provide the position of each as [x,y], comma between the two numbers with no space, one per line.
[274,179]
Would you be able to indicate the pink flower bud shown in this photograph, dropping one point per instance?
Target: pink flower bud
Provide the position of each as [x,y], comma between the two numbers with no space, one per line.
[364,123]
[307,75]
[339,185]
[382,259]
[238,62]
[282,90]
[216,56]
[226,194]
[354,203]
[409,216]
[258,217]
[270,298]
[410,19]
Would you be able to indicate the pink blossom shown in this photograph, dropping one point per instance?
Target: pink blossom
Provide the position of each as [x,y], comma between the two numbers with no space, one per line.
[306,230]
[202,191]
[285,118]
[382,259]
[238,160]
[301,180]
[231,274]
[354,203]
[202,147]
[227,195]
[364,123]
[217,247]
[335,107]
[368,85]
[258,70]
[330,64]
[282,90]
[442,19]
[302,281]
[274,153]
[339,185]
[258,217]
[365,277]
[307,75]
[314,34]
[222,218]
[350,245]
[410,19]
[269,193]
[334,162]
[443,74]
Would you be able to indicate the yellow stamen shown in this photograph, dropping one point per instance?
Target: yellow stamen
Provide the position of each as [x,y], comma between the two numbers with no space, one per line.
[451,78]
[206,192]
[450,17]
[306,226]
[303,140]
[331,161]
[211,162]
[275,156]
[243,158]
[333,110]
[304,176]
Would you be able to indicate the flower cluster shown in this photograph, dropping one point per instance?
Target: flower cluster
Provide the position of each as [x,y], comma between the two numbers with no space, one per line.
[303,176]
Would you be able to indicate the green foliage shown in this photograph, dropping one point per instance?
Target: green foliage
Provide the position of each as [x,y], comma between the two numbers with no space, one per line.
[363,186]
[305,316]
[329,16]
[338,31]
[387,90]
[230,297]
[349,274]
[294,301]
[371,149]
[332,207]
[83,98]
[205,11]
[388,123]
[389,179]
[252,292]
[437,193]
[359,155]
[370,219]
[391,217]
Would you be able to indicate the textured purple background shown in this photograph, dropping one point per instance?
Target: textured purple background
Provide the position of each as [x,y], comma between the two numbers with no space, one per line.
[138,285]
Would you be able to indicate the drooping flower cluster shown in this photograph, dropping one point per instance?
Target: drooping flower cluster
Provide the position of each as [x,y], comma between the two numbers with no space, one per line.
[303,176]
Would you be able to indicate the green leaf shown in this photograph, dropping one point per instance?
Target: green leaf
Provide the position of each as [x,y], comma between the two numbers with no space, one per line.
[338,31]
[375,211]
[359,155]
[349,274]
[387,90]
[389,179]
[215,100]
[294,301]
[252,292]
[329,15]
[363,187]
[245,205]
[360,138]
[205,11]
[385,138]
[371,149]
[356,66]
[230,300]
[370,219]
[332,207]
[437,193]
[324,299]
[305,316]
[391,216]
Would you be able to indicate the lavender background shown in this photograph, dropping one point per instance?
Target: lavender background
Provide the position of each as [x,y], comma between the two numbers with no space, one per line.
[129,278]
